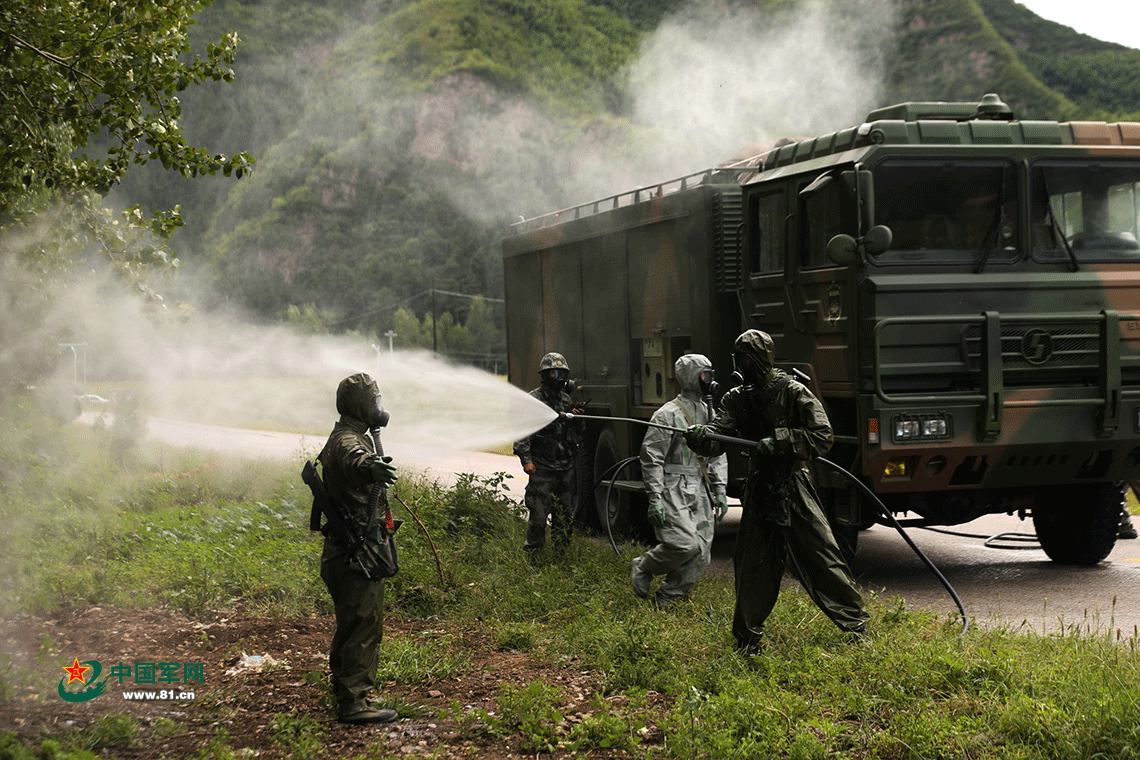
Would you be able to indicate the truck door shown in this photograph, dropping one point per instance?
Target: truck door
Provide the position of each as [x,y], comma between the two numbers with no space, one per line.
[762,301]
[823,293]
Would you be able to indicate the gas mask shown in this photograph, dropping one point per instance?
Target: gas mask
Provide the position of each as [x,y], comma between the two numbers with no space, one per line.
[556,380]
[378,416]
[708,383]
[745,371]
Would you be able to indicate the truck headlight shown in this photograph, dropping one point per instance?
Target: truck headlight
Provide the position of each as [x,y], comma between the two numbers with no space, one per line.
[915,428]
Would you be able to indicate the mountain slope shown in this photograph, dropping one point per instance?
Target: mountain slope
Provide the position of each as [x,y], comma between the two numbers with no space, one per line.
[1101,78]
[396,138]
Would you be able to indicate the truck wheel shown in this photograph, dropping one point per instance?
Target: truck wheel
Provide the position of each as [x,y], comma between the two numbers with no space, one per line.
[615,510]
[1077,525]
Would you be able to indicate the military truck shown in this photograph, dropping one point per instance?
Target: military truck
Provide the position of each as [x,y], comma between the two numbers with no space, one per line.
[961,287]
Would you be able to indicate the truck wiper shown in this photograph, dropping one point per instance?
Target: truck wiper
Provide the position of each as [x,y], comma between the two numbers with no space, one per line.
[990,242]
[993,234]
[1057,226]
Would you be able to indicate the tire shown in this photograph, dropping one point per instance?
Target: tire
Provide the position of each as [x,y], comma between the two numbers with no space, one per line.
[613,505]
[846,536]
[1077,525]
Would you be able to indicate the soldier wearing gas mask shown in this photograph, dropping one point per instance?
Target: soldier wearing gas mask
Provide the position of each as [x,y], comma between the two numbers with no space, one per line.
[353,464]
[686,491]
[549,457]
[782,524]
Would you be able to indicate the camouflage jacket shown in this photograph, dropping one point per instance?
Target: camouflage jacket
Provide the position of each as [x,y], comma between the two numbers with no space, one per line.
[347,458]
[556,445]
[786,411]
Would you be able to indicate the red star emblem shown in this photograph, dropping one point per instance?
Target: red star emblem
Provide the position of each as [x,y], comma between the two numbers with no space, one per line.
[76,671]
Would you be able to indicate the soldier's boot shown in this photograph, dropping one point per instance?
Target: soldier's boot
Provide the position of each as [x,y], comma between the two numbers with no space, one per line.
[639,579]
[363,714]
[1127,529]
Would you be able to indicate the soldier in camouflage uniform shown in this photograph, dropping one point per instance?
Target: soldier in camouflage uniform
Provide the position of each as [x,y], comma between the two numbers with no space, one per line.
[351,467]
[686,492]
[782,524]
[548,457]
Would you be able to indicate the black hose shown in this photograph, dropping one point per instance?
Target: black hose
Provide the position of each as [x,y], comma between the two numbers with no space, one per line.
[614,469]
[883,508]
[991,542]
[752,444]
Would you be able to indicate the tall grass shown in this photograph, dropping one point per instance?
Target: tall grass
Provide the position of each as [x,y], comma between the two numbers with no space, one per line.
[192,532]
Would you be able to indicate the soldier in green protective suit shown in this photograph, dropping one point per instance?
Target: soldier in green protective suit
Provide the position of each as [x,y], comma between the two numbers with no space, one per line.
[686,491]
[351,468]
[782,524]
[548,458]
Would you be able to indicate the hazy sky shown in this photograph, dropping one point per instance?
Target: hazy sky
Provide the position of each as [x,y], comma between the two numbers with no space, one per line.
[1112,20]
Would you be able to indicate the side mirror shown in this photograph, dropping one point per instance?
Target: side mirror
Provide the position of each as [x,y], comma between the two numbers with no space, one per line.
[860,183]
[878,240]
[842,249]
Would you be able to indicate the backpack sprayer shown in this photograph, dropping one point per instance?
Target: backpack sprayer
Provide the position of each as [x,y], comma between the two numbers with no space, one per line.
[749,444]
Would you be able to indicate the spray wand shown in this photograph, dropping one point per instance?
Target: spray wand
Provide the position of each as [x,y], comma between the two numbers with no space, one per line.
[748,444]
[711,436]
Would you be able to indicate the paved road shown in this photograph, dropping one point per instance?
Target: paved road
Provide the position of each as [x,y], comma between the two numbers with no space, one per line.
[1009,582]
[999,585]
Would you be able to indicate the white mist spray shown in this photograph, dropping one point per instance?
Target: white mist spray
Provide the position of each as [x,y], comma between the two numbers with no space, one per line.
[710,81]
[222,371]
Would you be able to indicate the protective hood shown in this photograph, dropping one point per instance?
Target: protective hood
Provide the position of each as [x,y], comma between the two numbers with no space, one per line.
[759,347]
[688,370]
[356,398]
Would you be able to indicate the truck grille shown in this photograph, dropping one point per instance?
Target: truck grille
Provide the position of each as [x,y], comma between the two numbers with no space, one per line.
[1040,345]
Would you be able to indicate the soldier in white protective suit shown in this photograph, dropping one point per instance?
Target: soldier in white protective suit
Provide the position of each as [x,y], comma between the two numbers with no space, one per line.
[686,491]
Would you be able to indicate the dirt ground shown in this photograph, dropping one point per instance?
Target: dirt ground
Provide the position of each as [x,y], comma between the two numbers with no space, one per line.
[244,703]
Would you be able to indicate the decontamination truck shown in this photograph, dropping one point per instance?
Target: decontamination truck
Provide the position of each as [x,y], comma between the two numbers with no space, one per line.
[962,288]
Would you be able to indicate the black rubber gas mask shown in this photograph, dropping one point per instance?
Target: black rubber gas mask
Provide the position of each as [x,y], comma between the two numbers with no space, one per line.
[378,416]
[708,383]
[745,371]
[556,380]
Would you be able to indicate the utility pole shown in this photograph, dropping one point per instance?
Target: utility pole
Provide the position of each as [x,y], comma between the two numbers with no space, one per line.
[75,364]
[434,335]
[389,335]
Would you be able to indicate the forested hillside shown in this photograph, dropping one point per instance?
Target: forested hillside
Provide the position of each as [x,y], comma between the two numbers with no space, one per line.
[396,139]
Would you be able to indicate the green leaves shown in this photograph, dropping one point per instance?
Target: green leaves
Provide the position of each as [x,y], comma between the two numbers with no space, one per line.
[73,69]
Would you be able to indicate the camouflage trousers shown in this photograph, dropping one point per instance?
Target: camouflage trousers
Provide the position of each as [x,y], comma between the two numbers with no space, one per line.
[355,651]
[550,494]
[808,549]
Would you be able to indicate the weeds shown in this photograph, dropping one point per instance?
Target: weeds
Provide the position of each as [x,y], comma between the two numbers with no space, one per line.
[298,737]
[186,533]
[421,661]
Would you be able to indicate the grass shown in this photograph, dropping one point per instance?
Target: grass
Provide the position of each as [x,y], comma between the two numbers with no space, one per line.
[196,535]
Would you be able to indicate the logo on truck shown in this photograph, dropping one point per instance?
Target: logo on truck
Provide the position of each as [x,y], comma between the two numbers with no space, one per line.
[1036,346]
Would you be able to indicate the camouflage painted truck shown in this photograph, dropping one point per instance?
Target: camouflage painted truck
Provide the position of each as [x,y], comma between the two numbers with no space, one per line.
[961,287]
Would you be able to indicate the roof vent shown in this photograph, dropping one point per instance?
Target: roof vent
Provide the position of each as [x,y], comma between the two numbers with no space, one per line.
[993,108]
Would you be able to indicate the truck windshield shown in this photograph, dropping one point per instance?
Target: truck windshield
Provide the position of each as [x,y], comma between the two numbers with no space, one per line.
[961,210]
[1086,210]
